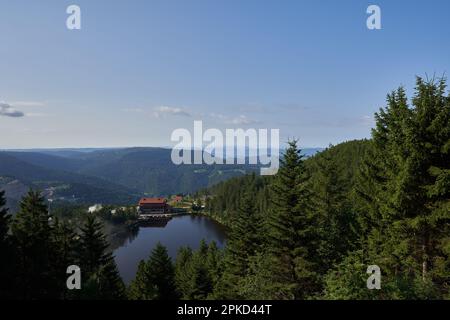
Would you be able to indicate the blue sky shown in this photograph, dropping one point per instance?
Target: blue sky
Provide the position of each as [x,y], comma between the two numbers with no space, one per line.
[137,70]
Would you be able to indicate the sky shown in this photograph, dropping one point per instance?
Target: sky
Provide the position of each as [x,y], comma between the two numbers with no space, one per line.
[137,70]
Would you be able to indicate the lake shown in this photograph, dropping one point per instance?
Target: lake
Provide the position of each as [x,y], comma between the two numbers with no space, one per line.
[179,231]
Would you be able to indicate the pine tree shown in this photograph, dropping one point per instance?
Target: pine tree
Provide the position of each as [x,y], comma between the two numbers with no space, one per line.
[6,251]
[5,219]
[97,264]
[93,246]
[214,263]
[161,275]
[407,192]
[244,239]
[65,242]
[155,278]
[335,222]
[196,273]
[291,236]
[183,275]
[201,282]
[141,288]
[32,236]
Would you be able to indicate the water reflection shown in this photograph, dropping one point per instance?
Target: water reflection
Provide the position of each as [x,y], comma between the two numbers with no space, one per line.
[174,233]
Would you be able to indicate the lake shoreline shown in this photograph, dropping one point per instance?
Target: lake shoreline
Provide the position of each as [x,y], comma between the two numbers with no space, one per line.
[185,230]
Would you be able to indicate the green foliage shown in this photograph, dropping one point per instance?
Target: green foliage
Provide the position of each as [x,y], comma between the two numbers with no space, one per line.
[406,193]
[155,279]
[4,219]
[119,215]
[97,264]
[141,288]
[198,273]
[34,247]
[224,200]
[347,281]
[6,251]
[291,235]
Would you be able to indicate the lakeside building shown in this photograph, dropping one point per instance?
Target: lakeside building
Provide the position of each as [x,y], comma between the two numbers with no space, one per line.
[153,206]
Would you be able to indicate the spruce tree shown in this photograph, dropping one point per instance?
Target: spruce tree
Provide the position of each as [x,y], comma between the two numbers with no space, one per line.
[214,263]
[5,219]
[291,235]
[201,281]
[65,243]
[183,276]
[141,288]
[35,250]
[161,275]
[6,252]
[335,219]
[407,193]
[97,264]
[196,273]
[244,239]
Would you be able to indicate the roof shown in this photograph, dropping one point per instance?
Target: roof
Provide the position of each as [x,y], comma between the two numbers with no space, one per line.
[152,201]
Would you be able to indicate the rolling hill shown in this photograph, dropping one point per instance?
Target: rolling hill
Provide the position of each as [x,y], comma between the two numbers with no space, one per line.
[108,175]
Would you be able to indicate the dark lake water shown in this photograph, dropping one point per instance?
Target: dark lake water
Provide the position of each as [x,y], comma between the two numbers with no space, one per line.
[173,234]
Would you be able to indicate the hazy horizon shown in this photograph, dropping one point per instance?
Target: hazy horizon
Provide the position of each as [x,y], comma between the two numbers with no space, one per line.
[134,73]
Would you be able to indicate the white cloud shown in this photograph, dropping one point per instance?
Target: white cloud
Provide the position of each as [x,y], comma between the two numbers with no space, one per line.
[36,114]
[242,120]
[20,104]
[8,111]
[165,110]
[239,120]
[218,116]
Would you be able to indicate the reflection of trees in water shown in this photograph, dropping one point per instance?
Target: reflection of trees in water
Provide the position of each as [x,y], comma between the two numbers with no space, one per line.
[123,235]
[120,235]
[155,223]
[211,226]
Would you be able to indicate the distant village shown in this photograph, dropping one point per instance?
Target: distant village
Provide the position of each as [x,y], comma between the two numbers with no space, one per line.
[159,207]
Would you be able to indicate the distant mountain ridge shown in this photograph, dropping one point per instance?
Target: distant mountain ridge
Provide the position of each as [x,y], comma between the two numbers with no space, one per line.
[108,175]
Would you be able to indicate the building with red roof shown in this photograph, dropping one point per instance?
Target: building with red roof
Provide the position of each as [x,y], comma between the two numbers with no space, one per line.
[153,206]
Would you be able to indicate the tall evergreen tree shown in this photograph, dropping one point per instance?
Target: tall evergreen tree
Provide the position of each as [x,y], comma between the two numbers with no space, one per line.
[200,279]
[141,288]
[5,219]
[214,263]
[244,239]
[183,275]
[65,243]
[197,273]
[408,192]
[291,236]
[161,273]
[35,250]
[335,220]
[155,279]
[6,251]
[97,264]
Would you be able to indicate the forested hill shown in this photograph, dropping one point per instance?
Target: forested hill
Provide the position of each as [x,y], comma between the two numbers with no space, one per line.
[319,226]
[336,167]
[107,175]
